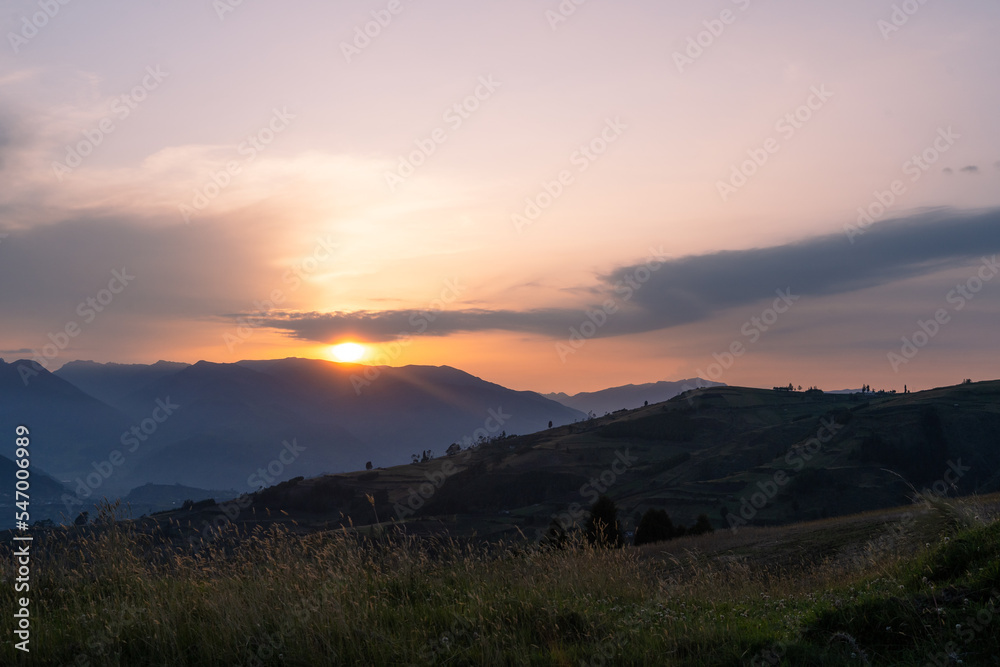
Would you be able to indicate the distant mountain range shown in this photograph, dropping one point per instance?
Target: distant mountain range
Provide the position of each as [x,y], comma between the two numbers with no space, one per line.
[629,396]
[108,428]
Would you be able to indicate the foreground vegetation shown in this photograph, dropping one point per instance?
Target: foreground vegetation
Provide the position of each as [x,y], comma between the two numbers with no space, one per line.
[906,588]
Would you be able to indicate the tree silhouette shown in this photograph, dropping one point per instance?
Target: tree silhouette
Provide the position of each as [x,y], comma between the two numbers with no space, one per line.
[368,466]
[654,526]
[702,525]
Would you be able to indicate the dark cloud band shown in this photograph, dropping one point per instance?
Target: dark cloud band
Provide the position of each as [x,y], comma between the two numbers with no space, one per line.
[650,297]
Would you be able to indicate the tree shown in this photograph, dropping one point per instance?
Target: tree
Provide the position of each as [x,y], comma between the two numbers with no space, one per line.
[654,526]
[602,528]
[455,448]
[550,424]
[368,466]
[702,525]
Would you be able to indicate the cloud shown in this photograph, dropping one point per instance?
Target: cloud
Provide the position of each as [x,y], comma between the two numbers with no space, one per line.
[971,169]
[390,324]
[181,278]
[697,288]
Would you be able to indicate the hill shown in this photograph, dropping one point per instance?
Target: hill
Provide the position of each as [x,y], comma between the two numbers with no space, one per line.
[907,586]
[629,396]
[742,456]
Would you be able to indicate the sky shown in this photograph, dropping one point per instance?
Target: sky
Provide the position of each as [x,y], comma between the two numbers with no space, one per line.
[555,196]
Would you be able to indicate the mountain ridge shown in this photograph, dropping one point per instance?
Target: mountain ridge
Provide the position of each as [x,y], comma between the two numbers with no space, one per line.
[629,396]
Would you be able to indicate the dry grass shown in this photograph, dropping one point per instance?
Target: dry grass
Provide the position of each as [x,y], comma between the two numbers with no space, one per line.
[115,595]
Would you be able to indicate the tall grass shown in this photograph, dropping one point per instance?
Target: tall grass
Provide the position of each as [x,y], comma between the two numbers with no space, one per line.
[119,594]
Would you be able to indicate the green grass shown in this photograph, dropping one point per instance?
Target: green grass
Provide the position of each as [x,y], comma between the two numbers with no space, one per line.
[113,595]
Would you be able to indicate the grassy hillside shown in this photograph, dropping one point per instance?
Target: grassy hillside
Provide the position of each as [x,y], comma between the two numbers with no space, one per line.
[440,562]
[901,587]
[744,457]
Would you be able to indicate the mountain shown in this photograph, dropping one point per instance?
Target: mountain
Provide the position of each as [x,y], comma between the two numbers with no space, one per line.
[251,424]
[629,396]
[113,382]
[741,456]
[69,429]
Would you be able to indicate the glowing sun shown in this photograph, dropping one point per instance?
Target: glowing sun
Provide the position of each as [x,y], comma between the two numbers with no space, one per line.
[348,352]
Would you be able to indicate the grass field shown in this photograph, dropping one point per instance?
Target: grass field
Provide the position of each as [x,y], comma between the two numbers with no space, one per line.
[905,587]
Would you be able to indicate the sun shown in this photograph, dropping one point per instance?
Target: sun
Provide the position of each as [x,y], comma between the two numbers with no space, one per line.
[348,352]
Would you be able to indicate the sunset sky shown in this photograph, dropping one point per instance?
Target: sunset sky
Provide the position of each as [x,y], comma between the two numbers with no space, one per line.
[260,180]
